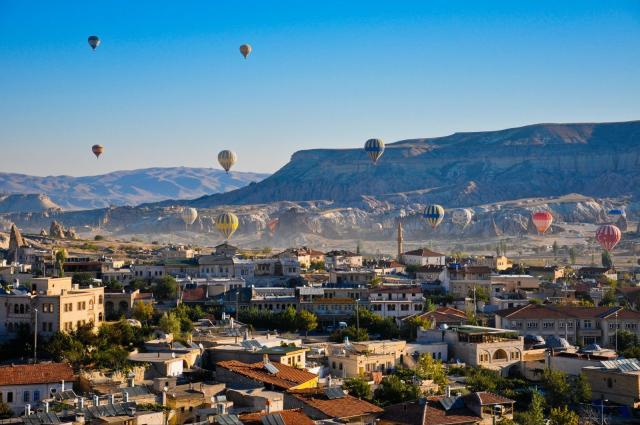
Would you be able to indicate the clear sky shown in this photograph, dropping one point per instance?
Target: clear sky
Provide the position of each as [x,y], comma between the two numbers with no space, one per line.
[168,86]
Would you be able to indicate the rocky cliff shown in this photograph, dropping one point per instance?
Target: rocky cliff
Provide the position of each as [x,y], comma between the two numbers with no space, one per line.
[463,169]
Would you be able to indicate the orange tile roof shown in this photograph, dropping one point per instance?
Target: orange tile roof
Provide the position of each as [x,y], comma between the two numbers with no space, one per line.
[423,252]
[491,398]
[287,376]
[290,417]
[346,407]
[194,294]
[41,373]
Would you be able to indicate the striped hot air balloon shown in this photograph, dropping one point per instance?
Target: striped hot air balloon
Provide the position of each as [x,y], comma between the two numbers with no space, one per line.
[462,216]
[97,150]
[227,223]
[542,220]
[608,236]
[434,215]
[375,149]
[189,216]
[616,213]
[227,158]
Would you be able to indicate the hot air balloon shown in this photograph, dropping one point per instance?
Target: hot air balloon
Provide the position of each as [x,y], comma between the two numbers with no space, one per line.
[94,41]
[189,216]
[97,150]
[462,216]
[434,215]
[245,49]
[375,149]
[227,223]
[542,220]
[608,236]
[616,213]
[227,158]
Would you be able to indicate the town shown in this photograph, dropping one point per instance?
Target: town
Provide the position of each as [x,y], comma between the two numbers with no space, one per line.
[190,335]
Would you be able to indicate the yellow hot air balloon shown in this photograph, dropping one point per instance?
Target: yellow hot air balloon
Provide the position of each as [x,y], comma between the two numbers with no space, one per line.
[227,158]
[245,49]
[97,150]
[434,215]
[227,224]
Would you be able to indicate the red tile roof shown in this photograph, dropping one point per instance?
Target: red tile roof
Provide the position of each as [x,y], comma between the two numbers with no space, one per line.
[445,314]
[194,294]
[346,407]
[423,252]
[41,373]
[487,398]
[433,414]
[287,376]
[290,417]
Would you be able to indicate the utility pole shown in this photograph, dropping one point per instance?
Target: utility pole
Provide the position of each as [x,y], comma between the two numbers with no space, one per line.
[616,331]
[35,337]
[358,318]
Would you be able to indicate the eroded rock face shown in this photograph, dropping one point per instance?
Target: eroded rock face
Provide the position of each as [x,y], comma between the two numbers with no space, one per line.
[58,231]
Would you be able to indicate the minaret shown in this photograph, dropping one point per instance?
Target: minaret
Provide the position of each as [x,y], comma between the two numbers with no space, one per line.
[399,240]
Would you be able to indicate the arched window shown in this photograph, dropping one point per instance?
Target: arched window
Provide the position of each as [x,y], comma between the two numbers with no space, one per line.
[16,309]
[21,308]
[500,355]
[99,299]
[100,317]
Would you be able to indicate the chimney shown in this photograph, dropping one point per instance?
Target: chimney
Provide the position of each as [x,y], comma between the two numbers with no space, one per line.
[46,407]
[79,418]
[132,381]
[96,400]
[62,386]
[126,397]
[112,398]
[27,409]
[80,402]
[447,390]
[164,398]
[265,359]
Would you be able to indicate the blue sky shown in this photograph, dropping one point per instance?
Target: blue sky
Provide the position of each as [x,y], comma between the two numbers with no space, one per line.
[168,86]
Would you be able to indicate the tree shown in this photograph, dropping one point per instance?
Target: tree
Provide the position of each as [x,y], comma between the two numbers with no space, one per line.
[535,414]
[358,387]
[352,333]
[428,368]
[307,321]
[63,347]
[142,311]
[5,411]
[287,319]
[394,390]
[409,329]
[429,305]
[61,257]
[169,323]
[82,279]
[558,390]
[607,262]
[572,255]
[316,266]
[581,390]
[556,249]
[563,416]
[626,340]
[166,288]
[609,299]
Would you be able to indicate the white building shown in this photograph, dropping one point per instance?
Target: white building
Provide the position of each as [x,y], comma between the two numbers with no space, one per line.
[424,257]
[29,384]
[396,300]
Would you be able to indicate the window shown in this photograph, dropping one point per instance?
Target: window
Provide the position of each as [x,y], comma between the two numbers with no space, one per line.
[26,396]
[586,324]
[417,307]
[391,307]
[518,324]
[10,397]
[404,307]
[547,325]
[99,299]
[340,366]
[532,325]
[36,395]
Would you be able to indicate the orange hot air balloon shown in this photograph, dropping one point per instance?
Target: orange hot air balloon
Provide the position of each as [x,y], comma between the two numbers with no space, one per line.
[97,150]
[608,236]
[542,220]
[245,49]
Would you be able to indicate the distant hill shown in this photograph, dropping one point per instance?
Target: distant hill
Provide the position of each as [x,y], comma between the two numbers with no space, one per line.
[461,169]
[122,187]
[18,203]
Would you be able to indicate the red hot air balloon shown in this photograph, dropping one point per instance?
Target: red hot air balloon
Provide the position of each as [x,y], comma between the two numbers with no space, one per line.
[608,236]
[542,220]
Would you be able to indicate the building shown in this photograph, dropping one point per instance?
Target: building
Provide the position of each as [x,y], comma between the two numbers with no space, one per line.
[423,257]
[481,408]
[351,277]
[342,260]
[161,364]
[491,348]
[463,280]
[271,375]
[348,359]
[578,325]
[22,385]
[396,301]
[60,306]
[283,417]
[249,351]
[448,316]
[514,282]
[615,380]
[304,256]
[597,273]
[332,404]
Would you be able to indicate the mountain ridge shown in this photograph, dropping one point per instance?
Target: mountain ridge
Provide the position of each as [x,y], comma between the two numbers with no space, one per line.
[126,187]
